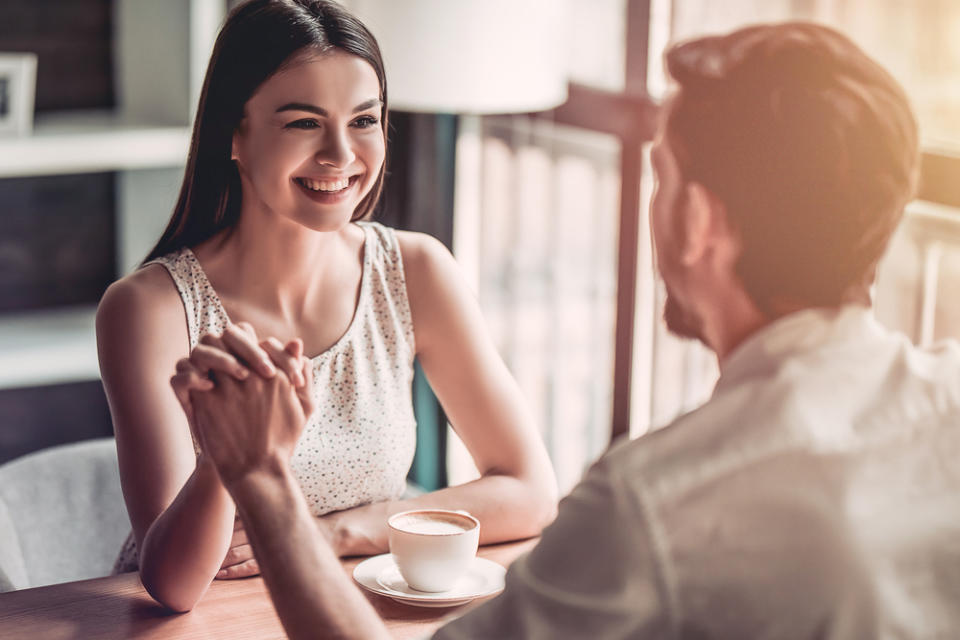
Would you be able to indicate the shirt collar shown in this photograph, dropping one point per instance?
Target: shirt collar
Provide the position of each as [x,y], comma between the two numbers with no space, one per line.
[793,334]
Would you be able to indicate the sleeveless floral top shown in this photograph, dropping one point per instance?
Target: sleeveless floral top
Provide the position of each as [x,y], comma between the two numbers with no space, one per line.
[358,445]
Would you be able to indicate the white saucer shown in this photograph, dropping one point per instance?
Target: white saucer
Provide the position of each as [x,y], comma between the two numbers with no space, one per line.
[380,575]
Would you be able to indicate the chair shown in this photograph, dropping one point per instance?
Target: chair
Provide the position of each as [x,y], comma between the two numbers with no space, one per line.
[62,515]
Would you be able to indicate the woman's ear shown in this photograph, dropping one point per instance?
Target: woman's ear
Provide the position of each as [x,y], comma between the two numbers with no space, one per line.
[235,139]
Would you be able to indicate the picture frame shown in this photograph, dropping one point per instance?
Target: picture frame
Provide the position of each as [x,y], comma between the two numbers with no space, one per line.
[18,82]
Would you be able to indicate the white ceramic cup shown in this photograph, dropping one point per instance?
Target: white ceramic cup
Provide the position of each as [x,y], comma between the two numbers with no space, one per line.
[433,547]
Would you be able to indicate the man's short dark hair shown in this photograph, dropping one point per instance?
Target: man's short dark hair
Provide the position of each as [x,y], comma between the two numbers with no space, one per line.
[810,145]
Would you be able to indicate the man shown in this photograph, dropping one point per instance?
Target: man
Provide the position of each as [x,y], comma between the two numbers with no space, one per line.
[816,494]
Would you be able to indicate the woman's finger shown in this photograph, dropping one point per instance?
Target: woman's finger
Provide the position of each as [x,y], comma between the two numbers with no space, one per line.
[305,393]
[246,326]
[242,570]
[295,348]
[188,371]
[237,554]
[243,344]
[206,358]
[189,377]
[283,360]
[212,340]
[185,366]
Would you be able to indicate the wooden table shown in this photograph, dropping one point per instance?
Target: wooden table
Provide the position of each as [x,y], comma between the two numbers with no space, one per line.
[119,607]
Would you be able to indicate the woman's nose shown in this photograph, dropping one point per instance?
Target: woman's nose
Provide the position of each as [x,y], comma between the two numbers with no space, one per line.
[336,150]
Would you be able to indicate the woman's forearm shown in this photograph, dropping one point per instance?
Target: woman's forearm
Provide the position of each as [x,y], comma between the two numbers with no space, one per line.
[508,509]
[185,546]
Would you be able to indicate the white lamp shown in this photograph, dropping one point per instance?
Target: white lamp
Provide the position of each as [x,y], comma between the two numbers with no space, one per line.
[470,56]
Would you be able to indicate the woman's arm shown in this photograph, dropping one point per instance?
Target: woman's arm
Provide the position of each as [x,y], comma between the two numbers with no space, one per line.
[182,517]
[249,429]
[227,355]
[516,495]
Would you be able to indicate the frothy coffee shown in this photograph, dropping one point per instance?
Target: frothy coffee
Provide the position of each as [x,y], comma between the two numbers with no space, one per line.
[433,547]
[432,524]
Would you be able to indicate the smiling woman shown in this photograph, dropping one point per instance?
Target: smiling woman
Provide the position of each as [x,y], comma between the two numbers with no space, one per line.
[270,285]
[323,147]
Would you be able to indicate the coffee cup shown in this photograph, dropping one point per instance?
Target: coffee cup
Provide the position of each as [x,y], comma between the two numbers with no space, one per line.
[433,547]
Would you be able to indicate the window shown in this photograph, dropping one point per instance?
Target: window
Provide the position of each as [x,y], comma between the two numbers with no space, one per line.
[544,220]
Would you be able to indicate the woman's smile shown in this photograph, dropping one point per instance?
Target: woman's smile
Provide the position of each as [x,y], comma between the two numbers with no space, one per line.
[328,190]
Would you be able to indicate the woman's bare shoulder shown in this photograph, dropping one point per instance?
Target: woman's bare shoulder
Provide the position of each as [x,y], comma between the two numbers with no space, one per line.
[424,257]
[147,290]
[142,305]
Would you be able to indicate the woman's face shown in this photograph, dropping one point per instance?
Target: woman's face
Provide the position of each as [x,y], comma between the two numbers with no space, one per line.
[310,145]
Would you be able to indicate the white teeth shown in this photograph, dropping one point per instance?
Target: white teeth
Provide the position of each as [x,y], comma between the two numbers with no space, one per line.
[325,185]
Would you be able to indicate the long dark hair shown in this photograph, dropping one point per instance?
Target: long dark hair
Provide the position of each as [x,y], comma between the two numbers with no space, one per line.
[257,39]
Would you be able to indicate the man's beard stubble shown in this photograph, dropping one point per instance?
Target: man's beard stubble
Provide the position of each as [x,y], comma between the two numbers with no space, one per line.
[679,321]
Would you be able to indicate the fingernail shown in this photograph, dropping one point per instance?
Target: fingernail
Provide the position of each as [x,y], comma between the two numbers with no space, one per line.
[242,373]
[269,370]
[221,573]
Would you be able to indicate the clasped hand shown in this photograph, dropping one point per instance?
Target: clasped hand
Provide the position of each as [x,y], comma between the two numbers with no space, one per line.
[247,402]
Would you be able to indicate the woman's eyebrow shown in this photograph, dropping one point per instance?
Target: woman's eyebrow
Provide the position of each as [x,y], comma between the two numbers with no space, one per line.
[320,111]
[369,104]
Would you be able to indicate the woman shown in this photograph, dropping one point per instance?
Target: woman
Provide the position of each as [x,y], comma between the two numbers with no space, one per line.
[267,239]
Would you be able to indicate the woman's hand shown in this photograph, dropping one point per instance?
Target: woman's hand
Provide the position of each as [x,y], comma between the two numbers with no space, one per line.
[236,353]
[239,561]
[251,425]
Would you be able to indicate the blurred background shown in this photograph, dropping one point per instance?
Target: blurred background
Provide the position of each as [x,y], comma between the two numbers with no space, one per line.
[545,208]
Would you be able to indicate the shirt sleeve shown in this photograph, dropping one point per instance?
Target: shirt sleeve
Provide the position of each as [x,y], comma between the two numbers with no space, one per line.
[593,575]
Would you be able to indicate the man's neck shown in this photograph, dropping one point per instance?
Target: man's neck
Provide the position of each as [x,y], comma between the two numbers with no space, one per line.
[741,319]
[736,318]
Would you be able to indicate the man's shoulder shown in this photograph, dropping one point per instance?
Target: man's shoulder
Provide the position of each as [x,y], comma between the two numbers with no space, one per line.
[736,427]
[819,405]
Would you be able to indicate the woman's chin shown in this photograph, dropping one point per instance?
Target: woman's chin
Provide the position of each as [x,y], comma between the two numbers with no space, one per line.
[326,221]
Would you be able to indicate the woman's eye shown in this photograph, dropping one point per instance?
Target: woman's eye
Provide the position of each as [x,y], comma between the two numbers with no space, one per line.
[306,123]
[364,122]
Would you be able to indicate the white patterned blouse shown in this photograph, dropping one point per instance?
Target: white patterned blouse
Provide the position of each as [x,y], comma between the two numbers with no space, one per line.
[358,445]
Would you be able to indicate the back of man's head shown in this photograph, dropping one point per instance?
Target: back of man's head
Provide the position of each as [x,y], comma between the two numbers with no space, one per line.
[809,144]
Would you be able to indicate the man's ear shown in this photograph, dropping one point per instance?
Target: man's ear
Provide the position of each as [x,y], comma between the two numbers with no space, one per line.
[703,216]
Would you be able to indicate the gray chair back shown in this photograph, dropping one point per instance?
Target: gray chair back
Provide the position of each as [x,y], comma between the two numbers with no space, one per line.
[62,515]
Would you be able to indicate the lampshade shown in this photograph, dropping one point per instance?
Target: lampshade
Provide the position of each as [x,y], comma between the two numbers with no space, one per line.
[470,56]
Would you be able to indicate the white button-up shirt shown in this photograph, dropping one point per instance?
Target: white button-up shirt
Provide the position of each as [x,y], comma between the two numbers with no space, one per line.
[815,495]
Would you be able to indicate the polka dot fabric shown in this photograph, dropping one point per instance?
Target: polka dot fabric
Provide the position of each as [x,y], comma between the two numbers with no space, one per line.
[358,445]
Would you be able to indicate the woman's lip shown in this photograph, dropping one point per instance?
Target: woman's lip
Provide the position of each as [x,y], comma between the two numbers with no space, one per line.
[328,197]
[326,178]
